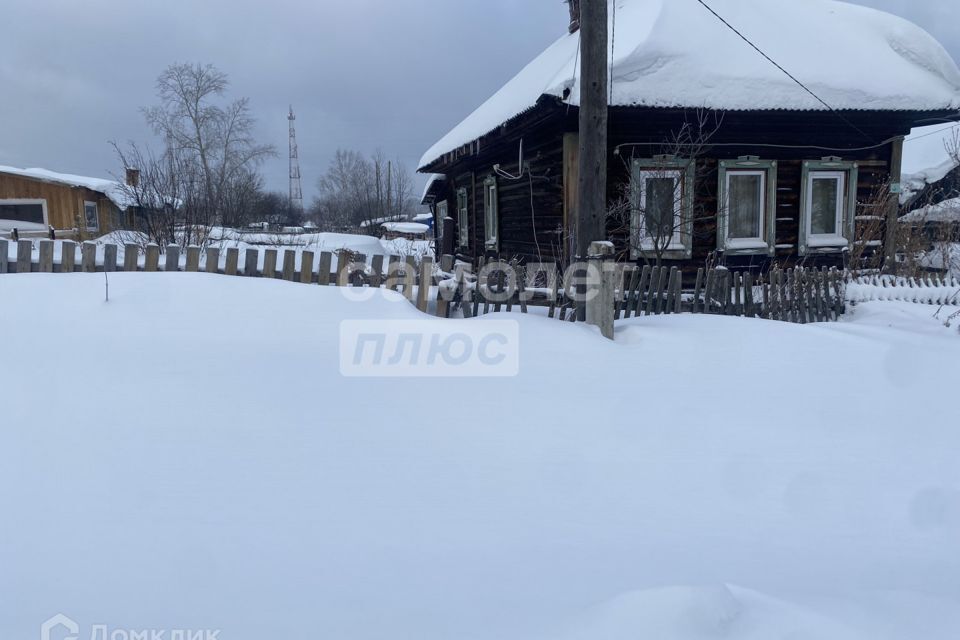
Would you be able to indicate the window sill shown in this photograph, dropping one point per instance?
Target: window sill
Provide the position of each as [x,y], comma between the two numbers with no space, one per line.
[746,246]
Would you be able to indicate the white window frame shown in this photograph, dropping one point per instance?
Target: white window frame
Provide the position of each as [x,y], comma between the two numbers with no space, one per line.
[847,205]
[761,237]
[826,239]
[96,208]
[30,225]
[491,220]
[638,222]
[463,217]
[766,242]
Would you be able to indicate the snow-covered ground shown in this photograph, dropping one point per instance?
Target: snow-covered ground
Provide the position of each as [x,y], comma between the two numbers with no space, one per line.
[188,456]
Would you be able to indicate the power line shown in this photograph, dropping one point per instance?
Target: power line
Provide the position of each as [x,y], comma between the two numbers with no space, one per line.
[785,72]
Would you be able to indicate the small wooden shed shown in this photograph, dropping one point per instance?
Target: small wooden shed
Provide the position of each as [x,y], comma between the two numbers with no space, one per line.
[37,199]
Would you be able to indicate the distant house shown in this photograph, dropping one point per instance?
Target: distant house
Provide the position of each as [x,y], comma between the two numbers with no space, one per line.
[931,167]
[715,154]
[37,199]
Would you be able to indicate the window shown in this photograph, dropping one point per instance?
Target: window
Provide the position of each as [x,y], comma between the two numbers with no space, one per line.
[90,217]
[662,216]
[491,222]
[442,210]
[828,205]
[463,219]
[23,214]
[748,191]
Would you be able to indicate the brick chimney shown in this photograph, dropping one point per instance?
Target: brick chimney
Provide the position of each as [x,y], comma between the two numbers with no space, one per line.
[574,15]
[133,177]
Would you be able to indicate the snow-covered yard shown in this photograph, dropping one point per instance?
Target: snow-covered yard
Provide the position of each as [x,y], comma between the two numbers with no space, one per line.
[188,456]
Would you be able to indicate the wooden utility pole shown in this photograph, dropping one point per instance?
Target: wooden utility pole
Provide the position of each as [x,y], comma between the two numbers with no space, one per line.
[591,208]
[592,196]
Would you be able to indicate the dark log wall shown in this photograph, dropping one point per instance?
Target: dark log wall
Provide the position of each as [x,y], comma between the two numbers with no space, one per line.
[862,137]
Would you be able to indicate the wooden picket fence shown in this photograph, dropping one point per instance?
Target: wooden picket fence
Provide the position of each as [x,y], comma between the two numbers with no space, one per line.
[793,295]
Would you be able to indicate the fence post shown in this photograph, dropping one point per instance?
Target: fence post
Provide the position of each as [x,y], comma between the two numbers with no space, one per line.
[289,264]
[213,260]
[88,257]
[193,258]
[131,255]
[24,256]
[325,268]
[109,257]
[376,277]
[172,261]
[426,280]
[4,249]
[233,261]
[251,260]
[270,264]
[46,256]
[152,261]
[68,256]
[601,284]
[306,267]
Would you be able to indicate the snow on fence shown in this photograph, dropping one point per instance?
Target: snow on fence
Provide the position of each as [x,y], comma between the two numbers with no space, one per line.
[931,289]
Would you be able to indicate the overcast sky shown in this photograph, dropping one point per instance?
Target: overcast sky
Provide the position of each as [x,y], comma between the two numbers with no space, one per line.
[361,74]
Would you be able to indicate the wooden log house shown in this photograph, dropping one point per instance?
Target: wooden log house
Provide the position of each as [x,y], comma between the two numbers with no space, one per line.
[723,155]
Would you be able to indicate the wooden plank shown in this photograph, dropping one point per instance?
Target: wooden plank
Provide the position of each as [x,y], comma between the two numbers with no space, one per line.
[409,280]
[251,259]
[193,259]
[737,308]
[4,249]
[522,288]
[324,270]
[652,291]
[213,260]
[24,256]
[131,257]
[376,268]
[726,284]
[697,291]
[678,294]
[172,262]
[289,264]
[232,264]
[426,279]
[765,291]
[748,306]
[109,256]
[151,262]
[46,256]
[306,267]
[270,264]
[88,257]
[68,256]
[708,291]
[670,300]
[512,278]
[636,304]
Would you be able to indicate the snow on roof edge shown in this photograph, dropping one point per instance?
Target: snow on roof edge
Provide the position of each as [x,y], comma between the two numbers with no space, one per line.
[113,190]
[660,64]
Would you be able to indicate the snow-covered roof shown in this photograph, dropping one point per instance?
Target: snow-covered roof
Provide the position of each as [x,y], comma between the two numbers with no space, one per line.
[412,228]
[946,211]
[674,53]
[112,189]
[927,158]
[433,179]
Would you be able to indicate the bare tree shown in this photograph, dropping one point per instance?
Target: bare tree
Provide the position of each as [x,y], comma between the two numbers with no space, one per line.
[356,190]
[217,139]
[655,210]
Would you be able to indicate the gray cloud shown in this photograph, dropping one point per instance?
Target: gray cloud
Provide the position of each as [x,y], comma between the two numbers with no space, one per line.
[365,74]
